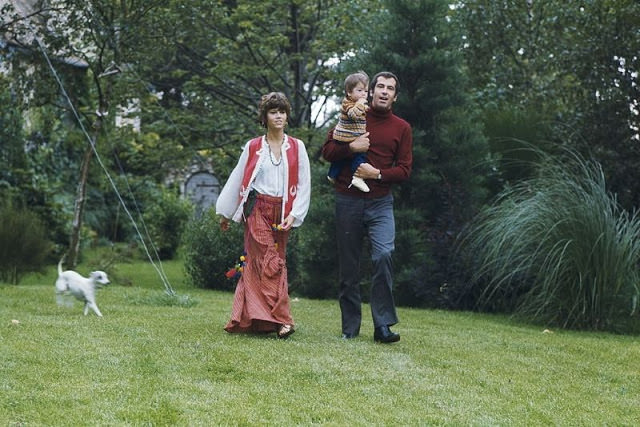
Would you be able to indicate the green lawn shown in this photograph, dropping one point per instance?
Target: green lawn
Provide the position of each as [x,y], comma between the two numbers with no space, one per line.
[149,363]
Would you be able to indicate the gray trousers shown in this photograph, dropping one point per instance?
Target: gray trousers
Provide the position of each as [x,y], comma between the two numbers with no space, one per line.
[356,218]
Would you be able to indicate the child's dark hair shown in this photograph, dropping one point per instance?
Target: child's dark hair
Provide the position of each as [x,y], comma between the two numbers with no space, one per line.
[270,101]
[352,81]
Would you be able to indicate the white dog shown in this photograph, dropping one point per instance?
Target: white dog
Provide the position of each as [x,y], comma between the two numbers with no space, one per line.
[83,288]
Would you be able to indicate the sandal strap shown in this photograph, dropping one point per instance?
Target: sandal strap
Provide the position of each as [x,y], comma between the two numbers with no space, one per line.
[285,331]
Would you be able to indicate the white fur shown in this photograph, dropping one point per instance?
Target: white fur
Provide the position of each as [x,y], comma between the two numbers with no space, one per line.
[83,288]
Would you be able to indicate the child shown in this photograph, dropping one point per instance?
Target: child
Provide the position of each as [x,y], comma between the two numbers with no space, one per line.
[351,124]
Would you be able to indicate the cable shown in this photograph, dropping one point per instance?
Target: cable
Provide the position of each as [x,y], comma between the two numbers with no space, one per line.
[168,289]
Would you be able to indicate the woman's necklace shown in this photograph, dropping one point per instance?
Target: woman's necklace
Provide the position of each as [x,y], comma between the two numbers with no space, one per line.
[273,162]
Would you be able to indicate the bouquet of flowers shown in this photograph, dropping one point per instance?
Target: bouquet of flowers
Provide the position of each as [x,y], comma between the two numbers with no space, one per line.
[236,271]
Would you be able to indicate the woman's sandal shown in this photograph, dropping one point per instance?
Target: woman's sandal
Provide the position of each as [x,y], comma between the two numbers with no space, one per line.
[285,331]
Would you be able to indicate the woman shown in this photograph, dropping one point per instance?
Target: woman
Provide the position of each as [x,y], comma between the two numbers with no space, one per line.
[269,190]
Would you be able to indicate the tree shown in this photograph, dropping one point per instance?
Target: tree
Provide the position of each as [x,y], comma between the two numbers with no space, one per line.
[606,64]
[573,64]
[99,35]
[222,57]
[418,43]
[512,48]
[13,162]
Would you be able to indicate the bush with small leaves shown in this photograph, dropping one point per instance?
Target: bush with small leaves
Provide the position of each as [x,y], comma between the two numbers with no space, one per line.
[167,219]
[209,252]
[23,244]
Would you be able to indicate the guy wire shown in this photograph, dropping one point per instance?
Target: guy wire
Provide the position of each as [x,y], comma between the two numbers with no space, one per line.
[168,289]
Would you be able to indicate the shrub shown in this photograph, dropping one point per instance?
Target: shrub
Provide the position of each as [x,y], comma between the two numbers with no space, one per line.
[209,253]
[311,252]
[167,219]
[558,249]
[23,244]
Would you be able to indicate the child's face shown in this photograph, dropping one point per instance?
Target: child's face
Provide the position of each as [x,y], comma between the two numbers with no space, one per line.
[358,92]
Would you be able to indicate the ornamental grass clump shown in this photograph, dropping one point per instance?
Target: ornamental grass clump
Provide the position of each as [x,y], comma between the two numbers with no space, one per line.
[558,249]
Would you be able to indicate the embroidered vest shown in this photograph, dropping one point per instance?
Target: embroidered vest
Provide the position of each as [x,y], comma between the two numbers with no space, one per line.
[291,173]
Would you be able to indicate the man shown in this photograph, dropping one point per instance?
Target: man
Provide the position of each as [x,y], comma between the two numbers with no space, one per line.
[388,143]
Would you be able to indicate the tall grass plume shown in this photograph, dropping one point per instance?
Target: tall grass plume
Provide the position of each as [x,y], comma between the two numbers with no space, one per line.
[558,249]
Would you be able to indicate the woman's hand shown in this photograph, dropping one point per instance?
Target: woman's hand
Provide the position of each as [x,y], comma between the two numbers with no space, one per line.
[224,223]
[288,222]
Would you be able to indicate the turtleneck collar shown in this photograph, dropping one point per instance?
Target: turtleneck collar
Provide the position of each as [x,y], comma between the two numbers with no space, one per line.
[380,114]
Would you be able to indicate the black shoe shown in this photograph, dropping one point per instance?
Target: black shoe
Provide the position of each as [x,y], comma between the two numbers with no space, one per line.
[349,336]
[384,335]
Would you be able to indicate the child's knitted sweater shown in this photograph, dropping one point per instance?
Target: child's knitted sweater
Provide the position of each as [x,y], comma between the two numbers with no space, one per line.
[352,122]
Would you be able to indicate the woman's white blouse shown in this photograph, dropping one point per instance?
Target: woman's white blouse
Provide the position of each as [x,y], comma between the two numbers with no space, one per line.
[270,179]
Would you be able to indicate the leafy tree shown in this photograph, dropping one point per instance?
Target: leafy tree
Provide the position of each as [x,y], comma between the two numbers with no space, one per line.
[97,35]
[515,49]
[606,63]
[196,96]
[574,64]
[223,56]
[37,154]
[13,161]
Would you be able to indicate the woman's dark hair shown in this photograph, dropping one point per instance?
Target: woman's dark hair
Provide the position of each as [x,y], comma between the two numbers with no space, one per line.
[272,100]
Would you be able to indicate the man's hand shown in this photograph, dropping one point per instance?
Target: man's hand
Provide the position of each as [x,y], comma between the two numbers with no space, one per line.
[360,144]
[366,171]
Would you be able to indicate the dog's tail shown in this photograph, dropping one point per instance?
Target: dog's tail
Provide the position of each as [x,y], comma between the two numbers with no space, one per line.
[60,264]
[61,286]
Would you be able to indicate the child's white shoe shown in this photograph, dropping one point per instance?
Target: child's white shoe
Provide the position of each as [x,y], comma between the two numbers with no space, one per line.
[331,180]
[360,184]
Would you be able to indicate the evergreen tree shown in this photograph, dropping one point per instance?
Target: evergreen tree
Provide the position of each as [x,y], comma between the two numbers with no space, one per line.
[419,45]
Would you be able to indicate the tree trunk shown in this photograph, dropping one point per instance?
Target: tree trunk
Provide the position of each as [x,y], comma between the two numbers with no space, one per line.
[78,210]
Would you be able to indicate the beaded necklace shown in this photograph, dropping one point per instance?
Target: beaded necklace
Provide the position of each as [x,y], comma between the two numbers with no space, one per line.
[273,162]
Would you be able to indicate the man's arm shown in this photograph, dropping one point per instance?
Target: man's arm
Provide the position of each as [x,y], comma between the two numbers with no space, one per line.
[402,162]
[401,171]
[333,151]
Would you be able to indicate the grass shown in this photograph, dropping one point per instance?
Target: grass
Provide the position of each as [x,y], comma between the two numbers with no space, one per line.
[147,362]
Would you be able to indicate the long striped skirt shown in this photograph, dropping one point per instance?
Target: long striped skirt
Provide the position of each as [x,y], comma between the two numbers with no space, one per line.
[261,299]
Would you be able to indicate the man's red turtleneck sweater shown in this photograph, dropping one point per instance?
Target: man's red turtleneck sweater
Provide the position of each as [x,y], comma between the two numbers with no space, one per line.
[390,150]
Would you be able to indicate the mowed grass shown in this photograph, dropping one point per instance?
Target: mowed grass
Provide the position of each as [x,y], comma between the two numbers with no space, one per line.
[147,362]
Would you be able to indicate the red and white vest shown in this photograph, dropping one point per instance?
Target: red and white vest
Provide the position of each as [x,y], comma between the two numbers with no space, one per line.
[291,172]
